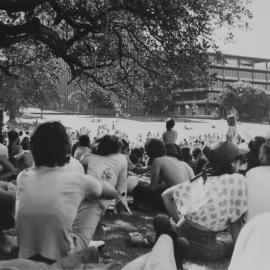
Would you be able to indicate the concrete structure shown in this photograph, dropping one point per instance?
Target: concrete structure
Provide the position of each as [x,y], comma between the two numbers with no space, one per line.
[228,69]
[199,101]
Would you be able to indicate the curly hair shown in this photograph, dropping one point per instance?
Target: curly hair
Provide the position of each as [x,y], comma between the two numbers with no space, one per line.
[264,155]
[155,148]
[50,145]
[107,145]
[84,140]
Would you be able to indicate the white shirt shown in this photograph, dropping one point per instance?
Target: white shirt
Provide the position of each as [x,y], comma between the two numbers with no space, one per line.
[258,191]
[47,202]
[111,169]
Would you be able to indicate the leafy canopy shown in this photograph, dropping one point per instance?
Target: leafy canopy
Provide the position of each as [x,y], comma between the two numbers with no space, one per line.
[115,44]
[250,101]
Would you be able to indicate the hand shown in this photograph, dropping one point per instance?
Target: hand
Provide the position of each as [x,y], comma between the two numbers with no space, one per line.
[124,205]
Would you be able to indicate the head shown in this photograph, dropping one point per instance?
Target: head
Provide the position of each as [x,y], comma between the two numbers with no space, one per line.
[107,145]
[222,157]
[264,153]
[20,133]
[170,124]
[25,143]
[13,137]
[186,152]
[50,145]
[231,120]
[173,150]
[155,148]
[124,147]
[84,141]
[254,151]
[197,152]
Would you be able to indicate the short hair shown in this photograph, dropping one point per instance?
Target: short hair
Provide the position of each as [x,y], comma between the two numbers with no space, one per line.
[50,145]
[155,148]
[196,152]
[84,140]
[107,145]
[20,133]
[186,152]
[264,155]
[170,124]
[13,135]
[25,143]
[173,150]
[124,145]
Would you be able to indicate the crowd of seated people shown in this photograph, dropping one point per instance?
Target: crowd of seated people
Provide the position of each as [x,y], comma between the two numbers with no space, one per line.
[64,187]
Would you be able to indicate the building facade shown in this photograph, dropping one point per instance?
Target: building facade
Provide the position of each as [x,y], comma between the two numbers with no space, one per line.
[228,69]
[187,102]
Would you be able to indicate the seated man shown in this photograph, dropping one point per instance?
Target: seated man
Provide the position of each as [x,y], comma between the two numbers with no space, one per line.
[167,171]
[49,197]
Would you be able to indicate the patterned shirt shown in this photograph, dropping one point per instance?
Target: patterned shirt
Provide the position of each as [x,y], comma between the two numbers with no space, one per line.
[169,136]
[215,204]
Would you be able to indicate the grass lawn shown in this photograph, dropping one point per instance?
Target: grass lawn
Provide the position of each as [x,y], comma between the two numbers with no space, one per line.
[114,230]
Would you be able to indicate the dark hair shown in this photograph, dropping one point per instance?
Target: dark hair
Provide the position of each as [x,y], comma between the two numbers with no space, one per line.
[155,148]
[106,145]
[254,149]
[170,124]
[84,140]
[196,152]
[186,152]
[20,133]
[173,150]
[264,154]
[12,136]
[231,120]
[50,145]
[124,145]
[25,143]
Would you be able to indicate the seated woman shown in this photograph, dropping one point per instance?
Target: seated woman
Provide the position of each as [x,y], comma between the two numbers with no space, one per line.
[49,196]
[211,204]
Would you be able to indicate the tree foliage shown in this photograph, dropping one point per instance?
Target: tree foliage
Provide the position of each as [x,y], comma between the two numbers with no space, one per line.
[115,44]
[250,101]
[27,87]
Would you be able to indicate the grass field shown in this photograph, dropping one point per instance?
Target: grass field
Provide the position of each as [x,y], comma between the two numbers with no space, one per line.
[114,230]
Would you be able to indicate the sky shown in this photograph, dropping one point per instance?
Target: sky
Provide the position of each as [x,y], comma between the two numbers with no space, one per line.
[254,42]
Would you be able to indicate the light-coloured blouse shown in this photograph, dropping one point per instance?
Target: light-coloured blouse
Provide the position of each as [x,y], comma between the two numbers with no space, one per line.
[215,204]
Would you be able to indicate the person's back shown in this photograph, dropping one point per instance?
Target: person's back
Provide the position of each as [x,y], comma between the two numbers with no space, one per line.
[258,186]
[170,136]
[48,196]
[173,171]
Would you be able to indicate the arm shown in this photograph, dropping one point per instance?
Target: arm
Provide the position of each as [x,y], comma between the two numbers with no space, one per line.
[167,197]
[11,170]
[155,175]
[235,228]
[138,170]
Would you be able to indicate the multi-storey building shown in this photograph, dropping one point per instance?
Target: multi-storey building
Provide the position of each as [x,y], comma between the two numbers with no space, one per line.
[228,69]
[199,101]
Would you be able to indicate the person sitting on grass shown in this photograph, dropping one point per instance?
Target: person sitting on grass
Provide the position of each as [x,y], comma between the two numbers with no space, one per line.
[167,171]
[108,165]
[49,199]
[200,160]
[211,204]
